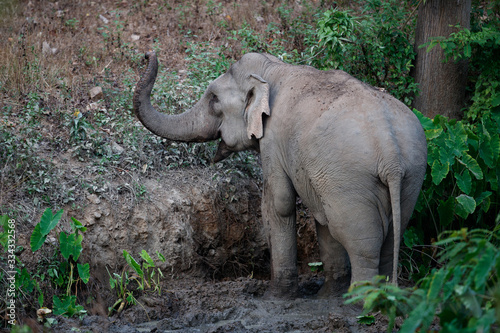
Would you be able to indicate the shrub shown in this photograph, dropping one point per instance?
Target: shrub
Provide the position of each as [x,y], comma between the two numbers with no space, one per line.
[374,47]
[463,293]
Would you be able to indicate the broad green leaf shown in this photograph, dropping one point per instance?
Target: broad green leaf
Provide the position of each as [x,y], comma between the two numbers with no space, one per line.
[427,123]
[147,258]
[60,305]
[112,283]
[161,256]
[84,272]
[489,150]
[484,200]
[132,263]
[447,155]
[472,165]
[456,139]
[439,171]
[464,181]
[37,239]
[410,238]
[70,245]
[467,203]
[77,225]
[431,134]
[49,221]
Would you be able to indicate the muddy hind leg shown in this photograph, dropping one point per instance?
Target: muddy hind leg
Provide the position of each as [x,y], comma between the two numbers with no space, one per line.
[335,264]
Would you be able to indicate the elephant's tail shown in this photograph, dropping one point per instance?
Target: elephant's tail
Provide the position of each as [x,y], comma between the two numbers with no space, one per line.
[395,193]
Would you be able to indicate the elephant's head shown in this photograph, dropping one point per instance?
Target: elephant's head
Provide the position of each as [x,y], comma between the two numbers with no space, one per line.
[231,108]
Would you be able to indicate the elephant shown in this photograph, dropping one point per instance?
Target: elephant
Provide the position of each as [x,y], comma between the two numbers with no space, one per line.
[354,154]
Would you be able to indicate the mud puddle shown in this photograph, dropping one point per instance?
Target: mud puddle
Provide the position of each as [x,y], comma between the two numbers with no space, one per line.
[194,305]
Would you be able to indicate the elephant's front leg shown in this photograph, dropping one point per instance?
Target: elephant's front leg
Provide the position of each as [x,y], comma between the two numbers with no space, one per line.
[278,214]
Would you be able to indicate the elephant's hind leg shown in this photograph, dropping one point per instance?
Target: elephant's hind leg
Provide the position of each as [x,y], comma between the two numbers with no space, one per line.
[335,264]
[357,225]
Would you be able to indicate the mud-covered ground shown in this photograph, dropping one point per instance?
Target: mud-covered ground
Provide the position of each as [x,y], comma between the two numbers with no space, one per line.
[237,305]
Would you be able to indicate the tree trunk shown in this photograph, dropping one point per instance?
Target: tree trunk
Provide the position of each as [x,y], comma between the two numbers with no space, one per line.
[442,85]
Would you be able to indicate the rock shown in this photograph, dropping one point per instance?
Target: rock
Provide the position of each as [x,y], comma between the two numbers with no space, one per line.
[135,37]
[95,93]
[116,148]
[103,19]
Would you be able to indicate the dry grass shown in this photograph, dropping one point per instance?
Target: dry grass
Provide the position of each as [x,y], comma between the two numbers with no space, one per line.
[81,46]
[53,53]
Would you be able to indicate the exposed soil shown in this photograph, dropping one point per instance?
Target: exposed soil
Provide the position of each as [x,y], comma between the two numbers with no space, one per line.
[236,305]
[208,226]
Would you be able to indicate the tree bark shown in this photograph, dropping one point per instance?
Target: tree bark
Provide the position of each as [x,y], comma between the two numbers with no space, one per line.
[442,85]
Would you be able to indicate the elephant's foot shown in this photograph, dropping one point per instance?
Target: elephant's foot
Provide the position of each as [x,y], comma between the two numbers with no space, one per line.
[284,286]
[334,286]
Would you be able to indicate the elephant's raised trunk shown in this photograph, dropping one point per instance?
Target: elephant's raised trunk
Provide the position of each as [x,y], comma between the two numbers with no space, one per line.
[194,125]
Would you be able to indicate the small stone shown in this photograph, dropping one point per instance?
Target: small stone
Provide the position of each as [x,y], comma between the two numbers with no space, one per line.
[95,93]
[105,20]
[135,37]
[116,148]
[97,215]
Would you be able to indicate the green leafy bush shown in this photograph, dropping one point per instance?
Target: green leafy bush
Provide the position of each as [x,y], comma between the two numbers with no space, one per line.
[463,293]
[374,47]
[64,273]
[461,184]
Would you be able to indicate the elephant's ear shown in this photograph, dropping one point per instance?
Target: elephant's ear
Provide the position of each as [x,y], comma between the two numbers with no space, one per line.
[257,104]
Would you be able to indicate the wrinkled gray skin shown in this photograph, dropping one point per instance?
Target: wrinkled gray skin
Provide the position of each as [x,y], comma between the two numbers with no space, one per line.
[355,155]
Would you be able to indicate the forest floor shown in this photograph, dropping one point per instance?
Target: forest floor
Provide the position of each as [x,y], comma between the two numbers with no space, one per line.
[52,54]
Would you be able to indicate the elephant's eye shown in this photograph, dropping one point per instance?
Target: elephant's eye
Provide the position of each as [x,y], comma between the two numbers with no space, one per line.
[214,99]
[213,104]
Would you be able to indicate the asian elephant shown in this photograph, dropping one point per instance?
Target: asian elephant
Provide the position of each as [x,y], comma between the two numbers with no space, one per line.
[355,155]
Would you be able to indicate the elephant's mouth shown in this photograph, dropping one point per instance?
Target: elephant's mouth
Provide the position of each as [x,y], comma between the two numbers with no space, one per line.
[223,151]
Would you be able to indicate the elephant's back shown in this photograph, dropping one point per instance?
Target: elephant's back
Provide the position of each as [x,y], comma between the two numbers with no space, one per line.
[353,133]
